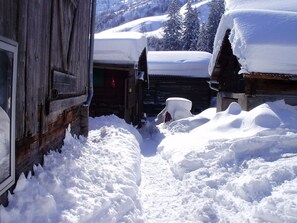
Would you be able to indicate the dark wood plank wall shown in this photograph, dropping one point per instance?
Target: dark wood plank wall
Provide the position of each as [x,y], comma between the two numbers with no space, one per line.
[52,35]
[69,48]
[163,87]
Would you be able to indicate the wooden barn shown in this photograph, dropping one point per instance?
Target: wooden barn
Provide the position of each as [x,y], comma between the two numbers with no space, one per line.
[254,58]
[45,54]
[177,74]
[120,74]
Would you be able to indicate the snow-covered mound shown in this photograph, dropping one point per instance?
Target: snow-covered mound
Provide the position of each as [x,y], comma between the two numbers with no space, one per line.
[239,166]
[232,166]
[91,180]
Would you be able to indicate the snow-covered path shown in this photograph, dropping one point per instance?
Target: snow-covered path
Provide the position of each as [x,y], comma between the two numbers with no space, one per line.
[159,191]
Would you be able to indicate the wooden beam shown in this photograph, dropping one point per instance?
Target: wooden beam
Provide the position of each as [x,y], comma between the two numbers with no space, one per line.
[271,76]
[60,105]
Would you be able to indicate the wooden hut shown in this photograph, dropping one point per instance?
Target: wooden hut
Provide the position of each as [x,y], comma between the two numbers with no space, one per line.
[44,49]
[177,74]
[120,73]
[254,58]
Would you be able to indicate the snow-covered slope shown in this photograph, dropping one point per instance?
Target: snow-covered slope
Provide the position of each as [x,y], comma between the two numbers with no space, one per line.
[149,22]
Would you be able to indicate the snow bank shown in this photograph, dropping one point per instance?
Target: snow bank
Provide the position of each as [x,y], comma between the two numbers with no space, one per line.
[179,63]
[121,47]
[262,40]
[239,165]
[91,180]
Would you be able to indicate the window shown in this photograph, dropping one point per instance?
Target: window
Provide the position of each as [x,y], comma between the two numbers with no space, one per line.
[8,66]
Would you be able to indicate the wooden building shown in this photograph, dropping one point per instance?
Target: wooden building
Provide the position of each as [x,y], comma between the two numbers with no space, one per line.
[120,74]
[45,51]
[177,74]
[255,62]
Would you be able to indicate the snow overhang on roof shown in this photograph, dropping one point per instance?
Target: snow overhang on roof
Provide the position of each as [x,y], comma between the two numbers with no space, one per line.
[119,48]
[264,41]
[179,63]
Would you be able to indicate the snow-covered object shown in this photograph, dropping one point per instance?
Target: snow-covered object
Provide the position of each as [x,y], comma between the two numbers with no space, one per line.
[264,41]
[179,63]
[178,108]
[120,48]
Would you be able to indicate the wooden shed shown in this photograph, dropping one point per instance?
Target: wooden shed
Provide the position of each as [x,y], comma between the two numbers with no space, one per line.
[44,59]
[254,58]
[177,74]
[120,74]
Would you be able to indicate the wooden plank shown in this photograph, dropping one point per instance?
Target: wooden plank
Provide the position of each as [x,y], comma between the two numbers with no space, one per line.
[63,84]
[8,19]
[161,88]
[60,105]
[21,78]
[37,63]
[271,76]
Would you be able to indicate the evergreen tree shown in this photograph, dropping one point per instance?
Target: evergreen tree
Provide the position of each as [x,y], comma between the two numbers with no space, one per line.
[191,28]
[217,8]
[173,28]
[203,42]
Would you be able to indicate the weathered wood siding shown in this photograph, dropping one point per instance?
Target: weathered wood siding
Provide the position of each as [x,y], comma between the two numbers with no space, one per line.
[53,49]
[163,87]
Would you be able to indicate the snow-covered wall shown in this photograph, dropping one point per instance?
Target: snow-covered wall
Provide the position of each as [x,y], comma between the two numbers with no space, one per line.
[263,40]
[121,48]
[179,63]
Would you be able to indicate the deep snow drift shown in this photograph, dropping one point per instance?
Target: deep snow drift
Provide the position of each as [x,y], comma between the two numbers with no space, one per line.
[231,166]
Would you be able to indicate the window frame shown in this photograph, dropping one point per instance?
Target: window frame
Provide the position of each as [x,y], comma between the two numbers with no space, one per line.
[11,47]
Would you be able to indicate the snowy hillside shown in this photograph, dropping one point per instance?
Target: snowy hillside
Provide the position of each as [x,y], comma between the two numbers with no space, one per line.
[146,23]
[111,13]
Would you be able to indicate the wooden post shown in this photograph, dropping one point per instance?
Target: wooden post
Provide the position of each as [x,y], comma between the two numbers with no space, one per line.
[84,120]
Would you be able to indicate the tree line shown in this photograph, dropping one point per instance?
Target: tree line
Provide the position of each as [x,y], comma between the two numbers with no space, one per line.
[189,33]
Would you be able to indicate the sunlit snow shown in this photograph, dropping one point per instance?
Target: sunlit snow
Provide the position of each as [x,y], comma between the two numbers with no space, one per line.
[231,166]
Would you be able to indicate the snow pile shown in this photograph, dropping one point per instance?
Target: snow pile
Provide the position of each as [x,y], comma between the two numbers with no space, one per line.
[239,165]
[122,47]
[179,63]
[231,166]
[91,180]
[263,40]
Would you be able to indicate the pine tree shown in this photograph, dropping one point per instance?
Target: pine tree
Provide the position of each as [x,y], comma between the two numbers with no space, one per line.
[191,28]
[203,42]
[173,28]
[217,8]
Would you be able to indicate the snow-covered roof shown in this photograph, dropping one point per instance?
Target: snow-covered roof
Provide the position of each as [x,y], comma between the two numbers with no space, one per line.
[121,47]
[263,40]
[178,63]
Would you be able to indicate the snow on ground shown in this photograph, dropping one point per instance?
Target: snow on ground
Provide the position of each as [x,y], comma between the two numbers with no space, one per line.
[231,166]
